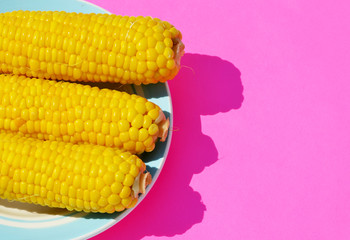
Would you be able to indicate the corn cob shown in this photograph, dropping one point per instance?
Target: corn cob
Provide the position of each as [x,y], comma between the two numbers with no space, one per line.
[82,177]
[89,47]
[76,113]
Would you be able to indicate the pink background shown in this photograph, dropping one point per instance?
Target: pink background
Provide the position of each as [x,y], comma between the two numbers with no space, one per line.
[261,142]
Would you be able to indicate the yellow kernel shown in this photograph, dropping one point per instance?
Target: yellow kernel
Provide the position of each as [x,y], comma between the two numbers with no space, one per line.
[56,172]
[64,189]
[129,180]
[116,187]
[123,47]
[84,182]
[119,176]
[171,64]
[91,53]
[154,113]
[131,113]
[108,178]
[30,177]
[141,67]
[22,187]
[92,67]
[94,170]
[150,148]
[30,189]
[49,183]
[56,186]
[42,191]
[105,128]
[124,167]
[119,61]
[102,202]
[133,64]
[94,206]
[133,133]
[78,125]
[153,129]
[148,142]
[167,33]
[77,73]
[126,202]
[131,49]
[50,196]
[38,179]
[124,137]
[133,203]
[123,125]
[141,55]
[65,200]
[147,121]
[99,183]
[92,138]
[142,44]
[168,53]
[88,125]
[33,113]
[114,129]
[137,122]
[106,191]
[129,145]
[164,72]
[151,42]
[80,204]
[160,47]
[161,61]
[100,138]
[151,54]
[119,207]
[107,115]
[77,181]
[34,65]
[91,183]
[174,31]
[134,170]
[94,195]
[70,128]
[93,111]
[125,192]
[97,125]
[112,58]
[22,61]
[114,199]
[168,42]
[72,202]
[86,195]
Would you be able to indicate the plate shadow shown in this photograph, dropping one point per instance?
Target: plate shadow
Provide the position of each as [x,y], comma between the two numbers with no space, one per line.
[205,85]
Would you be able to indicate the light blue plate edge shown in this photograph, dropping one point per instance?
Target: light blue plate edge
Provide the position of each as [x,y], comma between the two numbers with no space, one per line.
[92,224]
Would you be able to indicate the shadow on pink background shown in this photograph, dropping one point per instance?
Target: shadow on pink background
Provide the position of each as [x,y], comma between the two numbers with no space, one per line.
[172,206]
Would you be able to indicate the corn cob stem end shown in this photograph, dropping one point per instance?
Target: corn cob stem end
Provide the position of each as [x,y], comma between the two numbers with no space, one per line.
[164,129]
[164,124]
[179,50]
[141,182]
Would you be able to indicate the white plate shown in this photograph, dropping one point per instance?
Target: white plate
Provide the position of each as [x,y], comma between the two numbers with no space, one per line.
[28,221]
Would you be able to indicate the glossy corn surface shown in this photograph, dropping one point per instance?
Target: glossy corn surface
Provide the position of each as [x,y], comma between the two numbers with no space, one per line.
[89,47]
[81,177]
[76,113]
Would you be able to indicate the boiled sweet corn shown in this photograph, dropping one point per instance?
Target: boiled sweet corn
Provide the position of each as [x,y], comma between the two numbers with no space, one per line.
[89,47]
[76,113]
[80,177]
